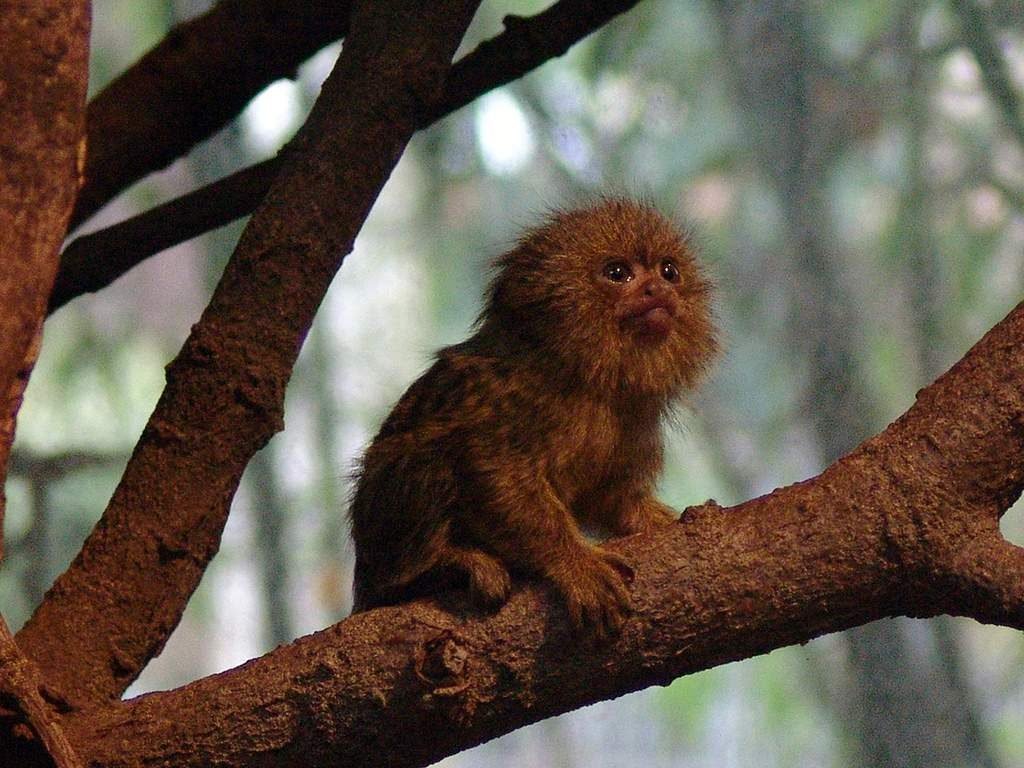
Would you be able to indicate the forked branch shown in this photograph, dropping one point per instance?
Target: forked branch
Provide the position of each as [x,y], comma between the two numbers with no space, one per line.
[115,606]
[93,261]
[192,83]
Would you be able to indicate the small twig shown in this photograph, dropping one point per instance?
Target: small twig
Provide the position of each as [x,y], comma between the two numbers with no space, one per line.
[49,468]
[94,261]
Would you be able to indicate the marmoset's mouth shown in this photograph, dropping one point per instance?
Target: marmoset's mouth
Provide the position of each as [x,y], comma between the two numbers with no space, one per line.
[650,317]
[648,304]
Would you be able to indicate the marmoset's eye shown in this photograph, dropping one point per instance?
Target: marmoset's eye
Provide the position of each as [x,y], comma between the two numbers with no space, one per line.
[617,272]
[670,271]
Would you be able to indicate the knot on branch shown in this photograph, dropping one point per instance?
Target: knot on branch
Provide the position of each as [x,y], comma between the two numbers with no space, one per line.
[210,362]
[442,663]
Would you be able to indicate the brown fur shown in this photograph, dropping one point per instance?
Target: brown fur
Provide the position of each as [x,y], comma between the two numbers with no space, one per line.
[543,423]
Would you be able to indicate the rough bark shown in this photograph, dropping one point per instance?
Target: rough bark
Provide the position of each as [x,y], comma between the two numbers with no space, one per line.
[907,524]
[193,82]
[43,76]
[115,606]
[93,261]
[30,736]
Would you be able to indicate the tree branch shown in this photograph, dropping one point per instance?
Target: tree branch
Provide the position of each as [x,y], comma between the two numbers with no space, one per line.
[195,81]
[115,606]
[907,524]
[43,79]
[94,261]
[91,262]
[31,736]
[43,76]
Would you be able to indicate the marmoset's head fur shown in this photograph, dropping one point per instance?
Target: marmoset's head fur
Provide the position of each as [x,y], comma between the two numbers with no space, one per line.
[611,293]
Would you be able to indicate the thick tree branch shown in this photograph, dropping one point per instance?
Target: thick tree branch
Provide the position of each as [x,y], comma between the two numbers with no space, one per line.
[43,76]
[115,606]
[93,261]
[191,84]
[906,524]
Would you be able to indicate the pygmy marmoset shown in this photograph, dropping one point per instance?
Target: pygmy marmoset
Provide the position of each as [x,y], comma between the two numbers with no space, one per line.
[544,424]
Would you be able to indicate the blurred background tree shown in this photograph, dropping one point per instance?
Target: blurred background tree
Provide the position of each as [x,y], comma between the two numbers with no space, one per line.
[854,175]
